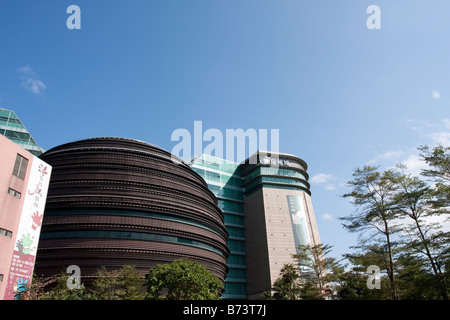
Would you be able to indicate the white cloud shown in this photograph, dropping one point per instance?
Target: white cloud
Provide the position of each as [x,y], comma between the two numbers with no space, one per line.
[442,138]
[414,164]
[27,71]
[447,122]
[384,157]
[33,85]
[436,95]
[389,160]
[322,178]
[327,217]
[30,80]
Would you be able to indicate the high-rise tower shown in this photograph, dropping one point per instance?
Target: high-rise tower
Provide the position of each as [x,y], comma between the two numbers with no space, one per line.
[268,213]
[279,216]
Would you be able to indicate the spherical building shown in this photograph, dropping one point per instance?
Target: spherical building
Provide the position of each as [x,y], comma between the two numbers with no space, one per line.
[115,202]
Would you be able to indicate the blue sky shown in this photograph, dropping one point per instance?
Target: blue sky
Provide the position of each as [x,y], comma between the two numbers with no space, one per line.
[341,95]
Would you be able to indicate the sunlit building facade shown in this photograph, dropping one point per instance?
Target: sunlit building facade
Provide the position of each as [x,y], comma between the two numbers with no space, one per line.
[268,213]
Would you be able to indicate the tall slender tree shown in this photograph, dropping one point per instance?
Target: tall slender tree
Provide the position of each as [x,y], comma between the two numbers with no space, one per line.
[315,259]
[414,200]
[372,194]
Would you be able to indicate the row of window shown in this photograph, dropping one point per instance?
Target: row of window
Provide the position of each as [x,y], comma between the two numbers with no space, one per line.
[217,164]
[275,186]
[16,135]
[226,192]
[5,233]
[274,172]
[217,177]
[236,232]
[230,206]
[235,289]
[128,235]
[274,180]
[135,213]
[10,122]
[237,273]
[236,245]
[236,260]
[232,219]
[14,193]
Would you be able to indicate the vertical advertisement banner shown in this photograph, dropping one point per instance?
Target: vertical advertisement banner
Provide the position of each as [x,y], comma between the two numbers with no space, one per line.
[299,223]
[27,239]
[298,219]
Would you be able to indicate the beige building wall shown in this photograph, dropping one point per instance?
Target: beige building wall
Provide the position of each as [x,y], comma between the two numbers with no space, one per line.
[270,238]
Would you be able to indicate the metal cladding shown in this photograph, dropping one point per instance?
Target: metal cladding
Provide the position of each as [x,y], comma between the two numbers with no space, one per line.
[116,201]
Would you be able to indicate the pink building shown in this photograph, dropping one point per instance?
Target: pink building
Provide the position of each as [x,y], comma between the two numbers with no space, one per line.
[24,181]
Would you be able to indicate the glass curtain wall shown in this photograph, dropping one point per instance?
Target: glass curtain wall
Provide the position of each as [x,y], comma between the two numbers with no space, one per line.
[12,128]
[224,180]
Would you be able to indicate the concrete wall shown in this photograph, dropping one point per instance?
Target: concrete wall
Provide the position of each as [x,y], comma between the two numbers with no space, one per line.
[269,236]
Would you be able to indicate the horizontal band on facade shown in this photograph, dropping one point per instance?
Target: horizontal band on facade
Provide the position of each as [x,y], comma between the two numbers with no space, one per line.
[102,234]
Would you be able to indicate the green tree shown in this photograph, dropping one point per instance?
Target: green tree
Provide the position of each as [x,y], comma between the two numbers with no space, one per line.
[182,280]
[414,201]
[125,283]
[438,160]
[372,193]
[315,265]
[56,289]
[414,280]
[354,283]
[287,286]
[39,285]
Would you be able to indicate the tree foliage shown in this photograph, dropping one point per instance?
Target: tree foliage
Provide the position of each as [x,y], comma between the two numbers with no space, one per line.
[287,286]
[179,280]
[182,280]
[406,243]
[121,284]
[373,192]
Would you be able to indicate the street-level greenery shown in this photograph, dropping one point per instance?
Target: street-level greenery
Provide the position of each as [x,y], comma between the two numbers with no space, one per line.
[179,280]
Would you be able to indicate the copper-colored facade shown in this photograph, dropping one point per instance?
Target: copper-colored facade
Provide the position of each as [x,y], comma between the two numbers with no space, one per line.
[117,201]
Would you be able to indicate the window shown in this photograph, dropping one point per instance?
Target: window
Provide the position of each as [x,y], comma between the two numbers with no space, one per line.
[14,193]
[1,277]
[20,167]
[5,233]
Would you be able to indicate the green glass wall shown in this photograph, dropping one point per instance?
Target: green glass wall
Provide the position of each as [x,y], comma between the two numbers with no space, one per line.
[12,128]
[279,178]
[224,180]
